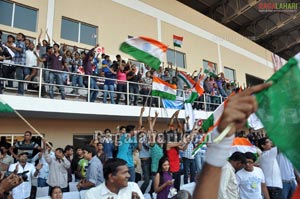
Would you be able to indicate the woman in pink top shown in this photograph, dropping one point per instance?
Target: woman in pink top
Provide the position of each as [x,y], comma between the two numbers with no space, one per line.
[121,83]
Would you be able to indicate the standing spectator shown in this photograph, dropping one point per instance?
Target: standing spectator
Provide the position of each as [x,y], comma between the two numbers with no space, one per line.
[188,161]
[133,77]
[56,62]
[27,145]
[4,56]
[109,84]
[94,173]
[58,170]
[44,171]
[174,144]
[116,183]
[77,68]
[288,175]
[251,180]
[22,166]
[43,45]
[8,68]
[128,144]
[163,181]
[270,167]
[146,88]
[88,70]
[6,159]
[69,155]
[20,58]
[31,61]
[121,83]
[76,169]
[229,186]
[137,166]
[108,144]
[100,153]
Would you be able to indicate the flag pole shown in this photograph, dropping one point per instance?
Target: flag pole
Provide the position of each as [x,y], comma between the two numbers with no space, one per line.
[34,129]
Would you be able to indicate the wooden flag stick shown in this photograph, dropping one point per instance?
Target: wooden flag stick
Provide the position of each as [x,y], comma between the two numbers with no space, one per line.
[34,129]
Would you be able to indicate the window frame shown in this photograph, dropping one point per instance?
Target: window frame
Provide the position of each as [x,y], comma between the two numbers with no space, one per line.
[234,72]
[215,66]
[172,61]
[12,23]
[79,24]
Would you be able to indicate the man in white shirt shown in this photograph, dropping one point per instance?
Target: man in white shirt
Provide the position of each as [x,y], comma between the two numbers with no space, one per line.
[288,175]
[270,167]
[229,186]
[31,61]
[251,180]
[23,190]
[116,185]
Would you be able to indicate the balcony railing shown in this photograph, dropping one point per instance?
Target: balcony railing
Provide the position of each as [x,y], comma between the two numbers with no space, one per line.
[39,86]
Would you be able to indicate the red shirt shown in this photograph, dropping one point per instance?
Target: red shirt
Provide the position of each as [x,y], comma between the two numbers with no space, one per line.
[173,156]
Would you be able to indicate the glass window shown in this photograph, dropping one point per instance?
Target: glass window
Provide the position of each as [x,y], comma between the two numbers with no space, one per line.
[210,67]
[229,74]
[6,10]
[25,18]
[179,56]
[88,34]
[69,30]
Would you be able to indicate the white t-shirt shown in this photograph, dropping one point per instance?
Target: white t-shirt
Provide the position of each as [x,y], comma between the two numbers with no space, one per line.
[270,167]
[31,59]
[250,183]
[101,191]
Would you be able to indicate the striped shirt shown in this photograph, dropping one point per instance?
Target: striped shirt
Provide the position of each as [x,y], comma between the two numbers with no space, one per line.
[188,152]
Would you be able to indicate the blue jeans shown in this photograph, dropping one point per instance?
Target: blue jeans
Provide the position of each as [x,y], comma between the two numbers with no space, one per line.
[77,79]
[93,93]
[121,88]
[198,162]
[132,174]
[133,89]
[42,182]
[288,189]
[20,76]
[111,90]
[146,174]
[188,166]
[58,79]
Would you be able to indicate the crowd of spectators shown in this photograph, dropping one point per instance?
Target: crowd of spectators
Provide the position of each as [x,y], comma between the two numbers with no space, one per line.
[68,66]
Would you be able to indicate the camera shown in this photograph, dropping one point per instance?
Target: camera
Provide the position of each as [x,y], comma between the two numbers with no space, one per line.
[22,175]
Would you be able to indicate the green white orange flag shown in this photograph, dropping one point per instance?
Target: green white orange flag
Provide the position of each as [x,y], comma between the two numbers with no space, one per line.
[146,50]
[196,89]
[177,40]
[4,107]
[279,109]
[163,89]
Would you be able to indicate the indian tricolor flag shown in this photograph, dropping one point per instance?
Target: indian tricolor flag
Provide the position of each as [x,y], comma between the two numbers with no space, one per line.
[146,50]
[213,120]
[243,145]
[196,89]
[177,40]
[4,107]
[163,89]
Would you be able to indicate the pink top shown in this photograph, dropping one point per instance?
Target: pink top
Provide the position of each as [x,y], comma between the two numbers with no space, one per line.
[121,77]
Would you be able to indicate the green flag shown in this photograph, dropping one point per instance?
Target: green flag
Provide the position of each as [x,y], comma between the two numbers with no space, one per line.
[279,109]
[4,107]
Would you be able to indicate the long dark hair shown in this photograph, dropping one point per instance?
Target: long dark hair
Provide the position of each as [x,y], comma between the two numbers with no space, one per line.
[160,169]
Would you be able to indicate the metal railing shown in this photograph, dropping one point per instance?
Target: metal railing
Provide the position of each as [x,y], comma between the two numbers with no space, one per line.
[205,102]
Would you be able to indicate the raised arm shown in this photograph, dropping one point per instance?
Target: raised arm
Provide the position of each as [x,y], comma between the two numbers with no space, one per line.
[171,122]
[48,37]
[39,38]
[238,109]
[141,118]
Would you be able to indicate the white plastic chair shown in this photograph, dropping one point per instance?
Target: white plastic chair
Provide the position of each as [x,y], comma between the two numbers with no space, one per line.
[42,191]
[189,187]
[71,195]
[82,194]
[73,186]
